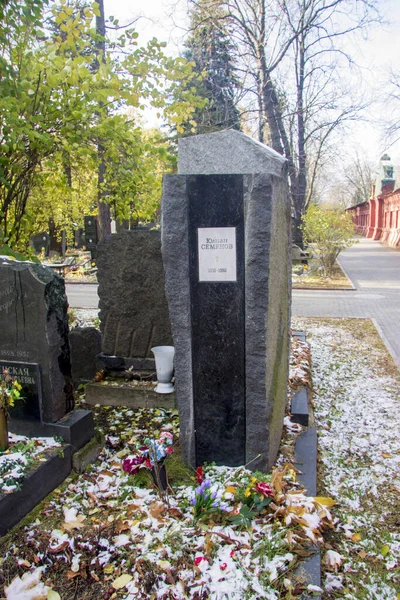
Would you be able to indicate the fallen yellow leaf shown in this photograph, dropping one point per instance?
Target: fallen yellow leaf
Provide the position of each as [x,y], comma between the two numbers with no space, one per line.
[52,595]
[356,537]
[387,455]
[121,581]
[385,550]
[325,501]
[108,569]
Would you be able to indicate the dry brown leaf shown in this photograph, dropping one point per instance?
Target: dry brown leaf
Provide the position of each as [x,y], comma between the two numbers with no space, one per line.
[157,509]
[92,498]
[209,545]
[58,549]
[24,563]
[76,524]
[362,554]
[71,575]
[175,512]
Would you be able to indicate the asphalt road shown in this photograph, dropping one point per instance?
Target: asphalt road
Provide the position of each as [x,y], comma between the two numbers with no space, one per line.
[82,295]
[375,272]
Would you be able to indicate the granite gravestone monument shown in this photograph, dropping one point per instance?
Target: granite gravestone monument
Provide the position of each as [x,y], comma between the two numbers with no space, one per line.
[226,253]
[133,307]
[91,234]
[34,339]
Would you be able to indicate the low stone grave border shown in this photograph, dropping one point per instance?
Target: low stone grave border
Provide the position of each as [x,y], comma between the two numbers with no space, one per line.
[81,447]
[125,394]
[306,448]
[37,485]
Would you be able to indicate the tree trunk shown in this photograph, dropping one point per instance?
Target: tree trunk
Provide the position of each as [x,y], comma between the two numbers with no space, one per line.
[3,430]
[104,219]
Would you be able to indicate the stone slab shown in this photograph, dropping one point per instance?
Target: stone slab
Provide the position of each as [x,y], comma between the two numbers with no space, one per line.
[85,343]
[133,308]
[227,152]
[38,484]
[306,460]
[299,407]
[76,428]
[309,572]
[300,335]
[218,328]
[175,250]
[267,309]
[88,454]
[126,395]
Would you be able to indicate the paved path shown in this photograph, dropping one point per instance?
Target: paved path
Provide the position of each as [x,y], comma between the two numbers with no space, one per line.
[82,295]
[374,270]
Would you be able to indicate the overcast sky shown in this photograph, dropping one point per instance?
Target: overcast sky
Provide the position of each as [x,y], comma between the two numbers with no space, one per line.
[377,56]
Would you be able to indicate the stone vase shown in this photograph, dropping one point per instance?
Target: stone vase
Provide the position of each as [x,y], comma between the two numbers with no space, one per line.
[3,429]
[164,357]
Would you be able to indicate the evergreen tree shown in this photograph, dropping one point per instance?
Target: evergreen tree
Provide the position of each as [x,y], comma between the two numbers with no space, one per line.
[210,48]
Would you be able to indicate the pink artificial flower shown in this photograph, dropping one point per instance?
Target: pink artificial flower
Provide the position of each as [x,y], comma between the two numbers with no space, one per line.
[265,489]
[169,450]
[223,566]
[166,435]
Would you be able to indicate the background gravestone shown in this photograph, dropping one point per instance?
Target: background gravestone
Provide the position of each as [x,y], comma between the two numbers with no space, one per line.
[91,234]
[133,308]
[226,252]
[85,343]
[40,242]
[34,339]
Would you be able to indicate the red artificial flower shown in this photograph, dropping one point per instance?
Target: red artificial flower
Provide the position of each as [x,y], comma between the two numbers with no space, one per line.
[199,475]
[265,489]
[132,465]
[223,566]
[232,554]
[169,449]
[198,560]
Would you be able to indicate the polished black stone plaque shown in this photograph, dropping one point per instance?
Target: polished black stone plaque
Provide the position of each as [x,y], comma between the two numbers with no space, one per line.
[29,406]
[217,313]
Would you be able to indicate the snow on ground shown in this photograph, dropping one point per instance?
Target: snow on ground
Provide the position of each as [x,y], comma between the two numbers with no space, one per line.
[357,409]
[108,534]
[84,317]
[17,460]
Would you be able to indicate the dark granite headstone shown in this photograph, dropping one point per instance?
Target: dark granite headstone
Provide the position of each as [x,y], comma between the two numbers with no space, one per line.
[34,329]
[133,307]
[29,405]
[226,252]
[40,242]
[85,345]
[91,234]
